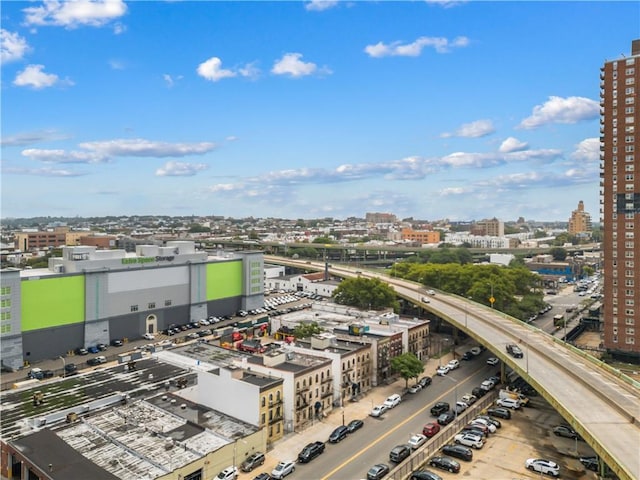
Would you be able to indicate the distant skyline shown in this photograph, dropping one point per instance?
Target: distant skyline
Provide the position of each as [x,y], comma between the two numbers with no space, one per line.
[424,109]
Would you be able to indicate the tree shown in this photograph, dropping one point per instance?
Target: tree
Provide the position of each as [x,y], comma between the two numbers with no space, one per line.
[559,254]
[305,330]
[408,366]
[364,293]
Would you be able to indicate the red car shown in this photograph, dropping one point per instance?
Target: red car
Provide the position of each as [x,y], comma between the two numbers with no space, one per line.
[430,429]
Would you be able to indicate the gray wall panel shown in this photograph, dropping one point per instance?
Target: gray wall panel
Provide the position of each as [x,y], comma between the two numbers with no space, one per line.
[51,342]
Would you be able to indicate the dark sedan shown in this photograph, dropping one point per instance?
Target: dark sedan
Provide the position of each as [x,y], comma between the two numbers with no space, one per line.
[446,418]
[378,471]
[567,432]
[338,434]
[445,463]
[354,425]
[310,451]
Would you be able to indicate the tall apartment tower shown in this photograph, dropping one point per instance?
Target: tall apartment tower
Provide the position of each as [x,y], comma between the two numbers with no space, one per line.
[620,201]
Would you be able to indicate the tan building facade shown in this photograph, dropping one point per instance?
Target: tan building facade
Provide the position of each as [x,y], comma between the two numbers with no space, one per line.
[620,200]
[580,221]
[422,237]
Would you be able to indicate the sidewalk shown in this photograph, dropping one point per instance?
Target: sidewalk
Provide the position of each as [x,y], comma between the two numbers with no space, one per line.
[289,447]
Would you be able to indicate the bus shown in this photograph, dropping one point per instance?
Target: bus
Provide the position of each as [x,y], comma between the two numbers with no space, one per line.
[558,320]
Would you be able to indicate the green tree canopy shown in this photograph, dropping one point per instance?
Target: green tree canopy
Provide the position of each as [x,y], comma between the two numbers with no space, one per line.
[305,330]
[364,293]
[408,366]
[559,254]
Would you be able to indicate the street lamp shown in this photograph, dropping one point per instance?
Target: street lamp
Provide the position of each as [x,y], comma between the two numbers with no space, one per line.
[64,366]
[455,395]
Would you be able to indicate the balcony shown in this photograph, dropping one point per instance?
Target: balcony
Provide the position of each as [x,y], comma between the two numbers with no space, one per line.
[275,419]
[327,394]
[327,380]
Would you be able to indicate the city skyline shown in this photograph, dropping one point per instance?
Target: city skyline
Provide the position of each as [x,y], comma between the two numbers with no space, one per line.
[460,110]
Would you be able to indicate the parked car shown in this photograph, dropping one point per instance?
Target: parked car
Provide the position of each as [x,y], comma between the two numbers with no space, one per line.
[453,364]
[102,347]
[263,476]
[478,392]
[392,401]
[283,469]
[70,369]
[590,463]
[81,351]
[496,422]
[514,351]
[476,351]
[439,408]
[415,388]
[93,349]
[445,463]
[149,336]
[469,398]
[566,431]
[310,451]
[469,440]
[99,360]
[460,407]
[354,425]
[446,418]
[425,475]
[338,434]
[430,429]
[458,451]
[424,382]
[431,292]
[481,421]
[252,461]
[417,440]
[487,385]
[508,403]
[442,370]
[399,453]
[492,361]
[467,356]
[543,466]
[378,410]
[229,473]
[117,342]
[378,471]
[500,413]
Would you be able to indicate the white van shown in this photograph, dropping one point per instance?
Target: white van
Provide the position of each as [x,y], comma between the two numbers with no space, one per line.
[392,401]
[508,403]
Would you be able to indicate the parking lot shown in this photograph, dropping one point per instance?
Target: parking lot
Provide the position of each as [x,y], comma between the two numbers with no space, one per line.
[527,435]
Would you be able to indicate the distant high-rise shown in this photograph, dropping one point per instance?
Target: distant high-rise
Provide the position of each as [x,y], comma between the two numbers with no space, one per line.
[580,221]
[620,200]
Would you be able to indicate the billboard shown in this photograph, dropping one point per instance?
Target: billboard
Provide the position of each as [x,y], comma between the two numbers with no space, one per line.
[51,302]
[224,280]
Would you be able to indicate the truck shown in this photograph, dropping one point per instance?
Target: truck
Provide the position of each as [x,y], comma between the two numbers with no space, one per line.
[251,346]
[558,320]
[504,393]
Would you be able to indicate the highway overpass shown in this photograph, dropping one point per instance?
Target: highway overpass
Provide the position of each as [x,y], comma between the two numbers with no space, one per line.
[601,404]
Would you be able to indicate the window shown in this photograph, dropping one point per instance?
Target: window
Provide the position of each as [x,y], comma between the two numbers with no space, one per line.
[628,282]
[629,100]
[151,305]
[629,91]
[629,312]
[629,302]
[629,139]
[630,341]
[134,308]
[628,168]
[5,316]
[5,291]
[628,225]
[5,328]
[629,71]
[628,111]
[628,293]
[5,302]
[167,303]
[629,321]
[629,158]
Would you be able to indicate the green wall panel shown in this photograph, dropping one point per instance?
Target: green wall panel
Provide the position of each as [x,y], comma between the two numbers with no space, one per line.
[50,302]
[224,280]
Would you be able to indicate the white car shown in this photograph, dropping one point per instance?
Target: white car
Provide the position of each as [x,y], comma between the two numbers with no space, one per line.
[508,403]
[431,292]
[229,473]
[453,364]
[469,440]
[378,410]
[392,401]
[460,407]
[543,466]
[487,385]
[443,370]
[415,388]
[149,336]
[492,361]
[481,421]
[469,399]
[283,469]
[476,351]
[417,440]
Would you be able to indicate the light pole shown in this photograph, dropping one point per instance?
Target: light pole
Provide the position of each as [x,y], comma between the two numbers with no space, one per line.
[64,365]
[455,396]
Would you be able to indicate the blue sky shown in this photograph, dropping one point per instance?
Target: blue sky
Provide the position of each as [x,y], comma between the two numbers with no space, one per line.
[424,109]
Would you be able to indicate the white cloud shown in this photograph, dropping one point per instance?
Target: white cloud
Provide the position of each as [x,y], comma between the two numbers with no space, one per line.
[249,70]
[73,14]
[414,49]
[180,169]
[479,128]
[446,3]
[292,65]
[116,64]
[171,81]
[33,76]
[12,46]
[43,172]
[212,70]
[320,5]
[561,110]
[512,144]
[588,149]
[28,138]
[98,152]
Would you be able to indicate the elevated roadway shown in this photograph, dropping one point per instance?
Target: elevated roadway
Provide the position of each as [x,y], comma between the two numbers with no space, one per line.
[600,403]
